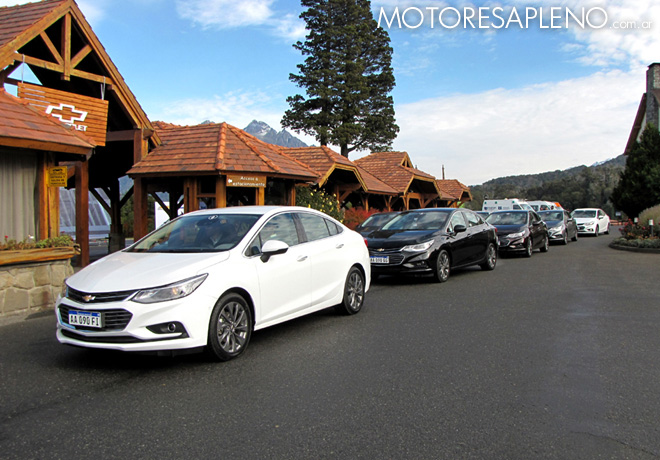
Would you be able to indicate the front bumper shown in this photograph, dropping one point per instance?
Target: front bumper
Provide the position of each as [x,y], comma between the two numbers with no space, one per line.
[130,326]
[396,261]
[511,244]
[590,228]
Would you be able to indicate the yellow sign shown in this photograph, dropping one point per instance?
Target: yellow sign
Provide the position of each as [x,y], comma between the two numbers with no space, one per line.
[57,176]
[245,180]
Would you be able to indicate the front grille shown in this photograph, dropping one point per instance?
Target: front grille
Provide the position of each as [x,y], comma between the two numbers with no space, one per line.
[100,297]
[395,256]
[102,339]
[115,319]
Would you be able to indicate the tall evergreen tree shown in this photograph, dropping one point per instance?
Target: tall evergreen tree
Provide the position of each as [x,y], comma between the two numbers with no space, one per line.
[639,184]
[347,76]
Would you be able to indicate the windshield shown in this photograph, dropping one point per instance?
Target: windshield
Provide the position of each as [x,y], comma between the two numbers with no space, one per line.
[198,233]
[584,213]
[377,220]
[430,220]
[507,218]
[552,215]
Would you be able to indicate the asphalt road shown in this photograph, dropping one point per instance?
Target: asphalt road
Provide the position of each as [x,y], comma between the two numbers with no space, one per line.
[556,356]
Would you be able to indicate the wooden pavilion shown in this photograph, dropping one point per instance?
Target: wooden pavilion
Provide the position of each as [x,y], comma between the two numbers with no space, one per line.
[78,85]
[414,188]
[217,165]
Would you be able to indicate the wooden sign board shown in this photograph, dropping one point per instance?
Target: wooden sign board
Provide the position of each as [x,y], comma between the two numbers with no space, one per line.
[86,114]
[57,176]
[246,180]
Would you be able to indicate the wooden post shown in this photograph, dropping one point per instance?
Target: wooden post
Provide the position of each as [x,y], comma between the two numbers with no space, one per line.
[190,200]
[139,208]
[260,196]
[221,192]
[42,199]
[82,211]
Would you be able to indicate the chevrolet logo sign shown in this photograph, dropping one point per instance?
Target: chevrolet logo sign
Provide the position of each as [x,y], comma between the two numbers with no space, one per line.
[88,298]
[61,111]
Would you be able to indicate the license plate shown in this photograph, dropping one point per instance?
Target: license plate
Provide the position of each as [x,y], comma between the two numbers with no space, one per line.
[380,260]
[85,318]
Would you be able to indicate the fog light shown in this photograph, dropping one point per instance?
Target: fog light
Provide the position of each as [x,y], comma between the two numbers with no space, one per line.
[169,328]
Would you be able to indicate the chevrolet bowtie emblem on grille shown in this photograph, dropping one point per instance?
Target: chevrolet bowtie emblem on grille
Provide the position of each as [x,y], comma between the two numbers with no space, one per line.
[88,298]
[59,112]
[380,249]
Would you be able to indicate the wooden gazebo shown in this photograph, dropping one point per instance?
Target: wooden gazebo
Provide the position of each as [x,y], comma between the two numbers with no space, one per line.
[78,85]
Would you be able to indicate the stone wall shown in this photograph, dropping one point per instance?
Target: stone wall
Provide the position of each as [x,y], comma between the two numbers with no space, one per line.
[29,288]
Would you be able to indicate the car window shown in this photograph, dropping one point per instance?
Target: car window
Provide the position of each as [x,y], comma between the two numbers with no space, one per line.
[315,226]
[456,219]
[418,220]
[472,219]
[281,227]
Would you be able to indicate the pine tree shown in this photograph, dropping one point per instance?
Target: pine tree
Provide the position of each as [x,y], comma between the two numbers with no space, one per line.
[347,76]
[639,184]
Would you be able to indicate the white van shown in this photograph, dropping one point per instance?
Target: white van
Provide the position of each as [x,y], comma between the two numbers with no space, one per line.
[543,205]
[505,205]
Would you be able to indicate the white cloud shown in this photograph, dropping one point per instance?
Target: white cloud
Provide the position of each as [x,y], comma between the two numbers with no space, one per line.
[230,14]
[238,108]
[518,131]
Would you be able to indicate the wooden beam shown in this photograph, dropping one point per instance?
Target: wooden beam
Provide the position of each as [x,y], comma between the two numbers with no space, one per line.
[139,208]
[42,199]
[51,47]
[82,211]
[80,55]
[39,62]
[101,200]
[66,47]
[221,192]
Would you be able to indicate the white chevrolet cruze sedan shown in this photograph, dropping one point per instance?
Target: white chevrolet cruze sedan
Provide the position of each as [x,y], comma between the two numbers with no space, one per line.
[592,220]
[208,279]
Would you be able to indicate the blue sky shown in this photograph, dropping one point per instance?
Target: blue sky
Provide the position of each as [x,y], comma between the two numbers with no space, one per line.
[483,103]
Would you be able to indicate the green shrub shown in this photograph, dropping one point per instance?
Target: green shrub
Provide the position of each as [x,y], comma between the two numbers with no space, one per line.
[315,198]
[652,213]
[62,241]
[653,242]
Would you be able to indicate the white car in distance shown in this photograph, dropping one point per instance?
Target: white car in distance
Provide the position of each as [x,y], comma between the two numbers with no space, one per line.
[591,221]
[208,279]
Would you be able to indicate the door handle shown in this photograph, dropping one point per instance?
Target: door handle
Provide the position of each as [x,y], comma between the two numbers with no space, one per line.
[339,246]
[301,258]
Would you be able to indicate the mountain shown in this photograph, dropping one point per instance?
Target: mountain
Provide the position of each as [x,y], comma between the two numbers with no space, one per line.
[578,187]
[264,132]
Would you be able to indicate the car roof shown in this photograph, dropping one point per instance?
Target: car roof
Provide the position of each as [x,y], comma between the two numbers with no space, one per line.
[259,210]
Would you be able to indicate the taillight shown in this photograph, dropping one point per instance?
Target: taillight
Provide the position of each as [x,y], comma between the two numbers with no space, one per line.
[366,243]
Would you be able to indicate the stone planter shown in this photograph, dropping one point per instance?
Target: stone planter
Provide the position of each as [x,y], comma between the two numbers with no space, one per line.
[30,280]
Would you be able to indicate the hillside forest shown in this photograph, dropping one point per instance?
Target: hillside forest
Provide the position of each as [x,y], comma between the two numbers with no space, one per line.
[578,187]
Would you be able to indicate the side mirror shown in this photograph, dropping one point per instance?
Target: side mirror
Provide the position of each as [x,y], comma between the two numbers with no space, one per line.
[272,248]
[459,228]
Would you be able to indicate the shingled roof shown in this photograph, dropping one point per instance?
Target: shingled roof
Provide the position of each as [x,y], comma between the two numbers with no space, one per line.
[15,20]
[323,161]
[24,126]
[395,169]
[453,189]
[216,148]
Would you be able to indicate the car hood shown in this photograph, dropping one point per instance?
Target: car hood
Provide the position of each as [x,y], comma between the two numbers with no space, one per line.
[583,220]
[399,238]
[506,229]
[125,271]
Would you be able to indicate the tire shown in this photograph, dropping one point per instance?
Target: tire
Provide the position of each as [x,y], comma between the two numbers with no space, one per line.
[546,244]
[597,231]
[528,247]
[230,328]
[575,238]
[491,258]
[607,230]
[353,293]
[564,241]
[442,266]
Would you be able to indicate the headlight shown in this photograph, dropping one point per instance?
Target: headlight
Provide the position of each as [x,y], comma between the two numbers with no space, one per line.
[170,292]
[516,235]
[421,247]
